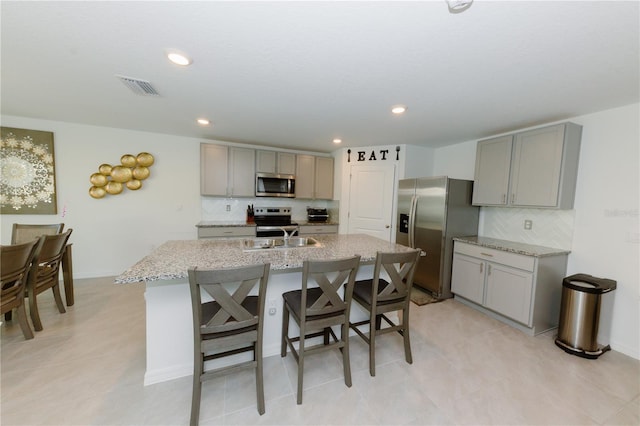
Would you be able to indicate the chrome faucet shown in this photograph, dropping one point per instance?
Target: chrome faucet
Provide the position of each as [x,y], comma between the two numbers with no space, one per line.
[288,235]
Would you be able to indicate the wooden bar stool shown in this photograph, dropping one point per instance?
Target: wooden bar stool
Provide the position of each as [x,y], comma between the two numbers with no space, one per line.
[379,296]
[317,309]
[230,324]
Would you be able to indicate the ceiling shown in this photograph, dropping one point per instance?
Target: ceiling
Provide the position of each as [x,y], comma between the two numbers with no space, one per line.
[299,74]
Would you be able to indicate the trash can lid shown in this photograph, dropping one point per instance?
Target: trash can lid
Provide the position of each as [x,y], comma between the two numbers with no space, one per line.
[589,284]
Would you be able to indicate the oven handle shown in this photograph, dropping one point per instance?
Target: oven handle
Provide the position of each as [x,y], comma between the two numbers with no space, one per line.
[277,228]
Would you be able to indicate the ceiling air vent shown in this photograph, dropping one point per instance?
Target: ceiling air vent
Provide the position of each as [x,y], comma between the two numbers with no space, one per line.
[137,86]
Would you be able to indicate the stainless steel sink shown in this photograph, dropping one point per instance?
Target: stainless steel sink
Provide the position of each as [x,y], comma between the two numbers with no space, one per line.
[302,242]
[278,243]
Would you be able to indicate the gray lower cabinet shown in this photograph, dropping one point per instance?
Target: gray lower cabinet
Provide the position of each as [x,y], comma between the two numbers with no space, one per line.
[535,168]
[226,231]
[318,229]
[523,291]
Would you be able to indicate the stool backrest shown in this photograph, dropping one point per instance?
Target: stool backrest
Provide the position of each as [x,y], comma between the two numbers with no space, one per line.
[330,276]
[400,268]
[232,315]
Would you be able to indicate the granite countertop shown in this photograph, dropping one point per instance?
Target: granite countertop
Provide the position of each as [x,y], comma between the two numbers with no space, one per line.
[172,259]
[512,246]
[305,222]
[222,224]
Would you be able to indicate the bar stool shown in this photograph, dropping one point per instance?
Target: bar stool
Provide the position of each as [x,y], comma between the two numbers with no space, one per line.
[379,296]
[230,324]
[320,308]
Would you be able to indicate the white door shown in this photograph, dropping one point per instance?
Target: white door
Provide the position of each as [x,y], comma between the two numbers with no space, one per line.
[371,193]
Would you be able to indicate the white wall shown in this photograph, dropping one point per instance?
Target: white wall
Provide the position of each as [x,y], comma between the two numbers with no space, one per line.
[604,222]
[606,232]
[112,233]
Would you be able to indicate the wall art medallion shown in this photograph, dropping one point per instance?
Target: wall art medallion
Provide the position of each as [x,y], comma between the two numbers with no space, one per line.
[27,172]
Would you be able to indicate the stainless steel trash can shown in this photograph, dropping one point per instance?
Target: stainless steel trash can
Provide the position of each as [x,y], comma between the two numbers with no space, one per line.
[580,314]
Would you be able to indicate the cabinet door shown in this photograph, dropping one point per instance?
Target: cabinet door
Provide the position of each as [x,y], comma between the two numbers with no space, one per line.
[467,277]
[266,161]
[508,292]
[286,163]
[214,171]
[242,172]
[493,163]
[324,178]
[305,174]
[537,162]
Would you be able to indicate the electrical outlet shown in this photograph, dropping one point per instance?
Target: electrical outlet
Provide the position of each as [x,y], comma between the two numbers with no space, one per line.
[528,224]
[228,207]
[272,306]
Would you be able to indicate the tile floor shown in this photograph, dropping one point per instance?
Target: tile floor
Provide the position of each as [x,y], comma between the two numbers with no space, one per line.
[87,366]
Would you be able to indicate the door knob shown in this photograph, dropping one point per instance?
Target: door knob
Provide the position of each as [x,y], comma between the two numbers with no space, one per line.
[387,226]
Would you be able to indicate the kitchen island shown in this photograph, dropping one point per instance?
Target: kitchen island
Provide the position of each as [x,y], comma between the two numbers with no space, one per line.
[168,301]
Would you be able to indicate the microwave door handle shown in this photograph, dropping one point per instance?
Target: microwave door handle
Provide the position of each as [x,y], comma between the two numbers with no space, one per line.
[412,220]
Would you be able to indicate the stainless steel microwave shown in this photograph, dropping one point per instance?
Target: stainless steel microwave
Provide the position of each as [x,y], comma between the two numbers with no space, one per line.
[275,185]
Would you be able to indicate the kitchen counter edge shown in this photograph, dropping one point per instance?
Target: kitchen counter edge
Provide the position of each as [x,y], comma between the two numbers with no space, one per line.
[512,246]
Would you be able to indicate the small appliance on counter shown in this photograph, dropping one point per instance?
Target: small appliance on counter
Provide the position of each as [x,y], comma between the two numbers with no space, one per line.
[317,214]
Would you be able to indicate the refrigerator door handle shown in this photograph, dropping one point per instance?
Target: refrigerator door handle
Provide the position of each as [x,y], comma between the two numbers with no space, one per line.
[412,219]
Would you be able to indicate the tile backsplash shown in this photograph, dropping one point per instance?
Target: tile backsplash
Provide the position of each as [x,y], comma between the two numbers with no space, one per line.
[215,209]
[551,228]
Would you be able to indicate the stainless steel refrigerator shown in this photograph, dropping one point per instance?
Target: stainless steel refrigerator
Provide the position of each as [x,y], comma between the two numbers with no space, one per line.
[431,211]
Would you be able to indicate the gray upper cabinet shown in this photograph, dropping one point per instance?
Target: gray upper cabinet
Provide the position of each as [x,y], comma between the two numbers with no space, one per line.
[275,162]
[493,164]
[541,166]
[314,177]
[227,171]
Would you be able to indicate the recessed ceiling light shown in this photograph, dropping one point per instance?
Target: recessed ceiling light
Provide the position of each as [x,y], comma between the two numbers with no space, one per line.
[178,58]
[336,140]
[203,121]
[398,109]
[457,6]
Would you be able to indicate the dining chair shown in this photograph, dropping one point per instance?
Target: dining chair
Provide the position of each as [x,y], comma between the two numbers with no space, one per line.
[14,267]
[379,296]
[229,324]
[22,232]
[317,309]
[45,273]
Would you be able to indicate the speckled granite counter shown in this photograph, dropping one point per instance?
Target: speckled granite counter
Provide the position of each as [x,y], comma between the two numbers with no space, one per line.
[305,222]
[172,259]
[222,224]
[512,246]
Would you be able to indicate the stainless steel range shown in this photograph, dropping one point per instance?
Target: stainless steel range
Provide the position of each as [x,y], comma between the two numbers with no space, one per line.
[274,222]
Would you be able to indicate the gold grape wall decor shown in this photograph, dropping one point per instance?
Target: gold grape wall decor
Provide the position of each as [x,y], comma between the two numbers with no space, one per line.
[113,179]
